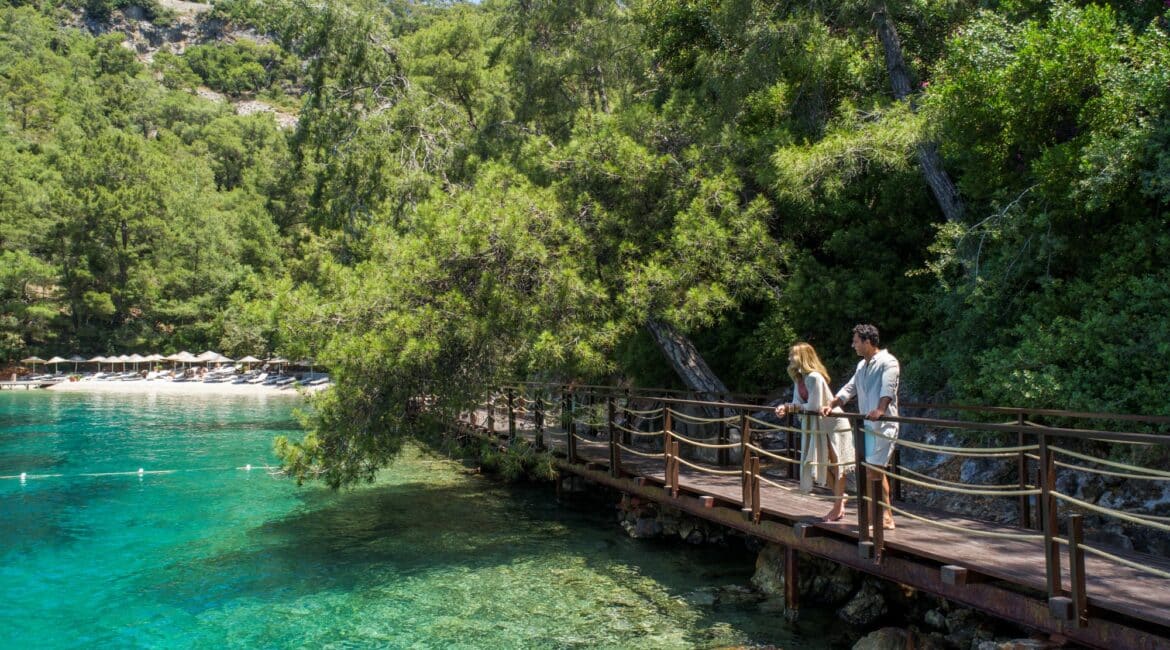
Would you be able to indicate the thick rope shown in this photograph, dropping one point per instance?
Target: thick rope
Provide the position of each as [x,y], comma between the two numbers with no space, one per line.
[764,452]
[635,432]
[640,453]
[1129,563]
[974,452]
[960,529]
[768,426]
[694,420]
[1136,519]
[654,412]
[1153,474]
[946,482]
[718,472]
[774,484]
[981,493]
[704,445]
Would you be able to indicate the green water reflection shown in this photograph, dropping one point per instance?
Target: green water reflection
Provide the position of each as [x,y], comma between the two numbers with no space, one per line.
[212,555]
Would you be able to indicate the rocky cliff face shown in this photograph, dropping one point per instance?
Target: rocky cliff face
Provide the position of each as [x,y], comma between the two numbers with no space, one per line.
[188,23]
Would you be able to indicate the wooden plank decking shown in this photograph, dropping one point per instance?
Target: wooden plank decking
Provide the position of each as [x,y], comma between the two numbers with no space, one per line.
[1128,607]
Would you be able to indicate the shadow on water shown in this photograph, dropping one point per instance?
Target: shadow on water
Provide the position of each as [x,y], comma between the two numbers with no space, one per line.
[385,537]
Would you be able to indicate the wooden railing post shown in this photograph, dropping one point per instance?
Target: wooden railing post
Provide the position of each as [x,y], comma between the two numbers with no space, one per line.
[674,479]
[667,446]
[1049,520]
[790,442]
[614,457]
[724,455]
[895,484]
[571,430]
[859,454]
[877,517]
[757,506]
[1076,569]
[511,414]
[626,439]
[538,419]
[1025,503]
[745,457]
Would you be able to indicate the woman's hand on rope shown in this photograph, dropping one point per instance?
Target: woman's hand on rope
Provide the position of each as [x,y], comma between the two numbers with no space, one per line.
[783,409]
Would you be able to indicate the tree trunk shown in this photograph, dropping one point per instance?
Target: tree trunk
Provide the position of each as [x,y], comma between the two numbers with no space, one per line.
[928,156]
[686,360]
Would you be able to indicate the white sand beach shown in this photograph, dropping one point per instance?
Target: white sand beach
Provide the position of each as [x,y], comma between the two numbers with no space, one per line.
[178,388]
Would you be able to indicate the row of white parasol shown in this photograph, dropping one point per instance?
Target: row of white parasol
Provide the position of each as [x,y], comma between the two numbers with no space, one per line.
[184,357]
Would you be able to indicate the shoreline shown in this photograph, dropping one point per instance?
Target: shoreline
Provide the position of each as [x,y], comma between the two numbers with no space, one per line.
[178,388]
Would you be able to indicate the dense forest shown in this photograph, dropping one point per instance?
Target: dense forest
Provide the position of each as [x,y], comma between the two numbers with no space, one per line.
[546,189]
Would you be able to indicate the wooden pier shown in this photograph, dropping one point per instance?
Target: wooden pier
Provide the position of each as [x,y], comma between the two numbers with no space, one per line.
[1027,572]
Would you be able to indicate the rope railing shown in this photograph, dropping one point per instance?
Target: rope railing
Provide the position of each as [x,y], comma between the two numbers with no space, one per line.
[950,488]
[1038,459]
[697,420]
[1153,474]
[704,445]
[708,470]
[1124,562]
[764,452]
[654,413]
[643,454]
[1110,512]
[966,530]
[903,470]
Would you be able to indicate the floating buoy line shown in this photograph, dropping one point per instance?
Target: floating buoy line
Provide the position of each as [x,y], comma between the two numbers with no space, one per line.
[142,472]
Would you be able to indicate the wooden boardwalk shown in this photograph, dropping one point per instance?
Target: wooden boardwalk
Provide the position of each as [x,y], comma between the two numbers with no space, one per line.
[1126,607]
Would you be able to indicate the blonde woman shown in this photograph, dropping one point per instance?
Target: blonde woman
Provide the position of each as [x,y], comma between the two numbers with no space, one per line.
[826,442]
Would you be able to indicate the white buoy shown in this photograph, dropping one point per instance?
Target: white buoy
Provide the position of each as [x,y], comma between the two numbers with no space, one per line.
[141,471]
[248,467]
[23,476]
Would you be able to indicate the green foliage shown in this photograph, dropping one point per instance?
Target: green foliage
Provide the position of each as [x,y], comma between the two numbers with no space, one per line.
[241,67]
[479,192]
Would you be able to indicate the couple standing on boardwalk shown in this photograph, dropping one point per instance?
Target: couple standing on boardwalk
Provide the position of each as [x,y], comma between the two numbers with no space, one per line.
[827,442]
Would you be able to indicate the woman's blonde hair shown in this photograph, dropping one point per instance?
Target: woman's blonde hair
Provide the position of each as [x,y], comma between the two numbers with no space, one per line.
[806,361]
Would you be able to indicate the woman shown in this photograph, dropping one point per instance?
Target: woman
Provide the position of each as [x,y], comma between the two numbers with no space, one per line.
[826,443]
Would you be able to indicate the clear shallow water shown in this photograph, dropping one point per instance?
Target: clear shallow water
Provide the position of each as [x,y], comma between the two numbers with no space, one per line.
[209,555]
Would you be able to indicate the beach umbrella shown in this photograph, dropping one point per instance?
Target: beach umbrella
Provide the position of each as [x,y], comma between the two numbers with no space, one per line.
[34,360]
[136,359]
[76,359]
[98,360]
[54,362]
[249,359]
[207,356]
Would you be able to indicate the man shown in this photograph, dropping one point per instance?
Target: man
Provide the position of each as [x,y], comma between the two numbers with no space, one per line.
[875,384]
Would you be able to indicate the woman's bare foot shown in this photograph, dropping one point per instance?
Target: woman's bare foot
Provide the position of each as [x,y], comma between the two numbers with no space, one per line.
[834,515]
[888,523]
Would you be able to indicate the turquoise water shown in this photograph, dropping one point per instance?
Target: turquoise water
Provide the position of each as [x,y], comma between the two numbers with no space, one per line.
[198,552]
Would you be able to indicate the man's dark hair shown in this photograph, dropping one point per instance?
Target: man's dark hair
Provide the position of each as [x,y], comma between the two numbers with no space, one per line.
[868,333]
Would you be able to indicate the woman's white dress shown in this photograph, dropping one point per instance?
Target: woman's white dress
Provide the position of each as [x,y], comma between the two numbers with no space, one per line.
[817,433]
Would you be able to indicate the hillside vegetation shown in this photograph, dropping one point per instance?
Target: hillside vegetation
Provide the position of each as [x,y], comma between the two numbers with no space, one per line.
[531,189]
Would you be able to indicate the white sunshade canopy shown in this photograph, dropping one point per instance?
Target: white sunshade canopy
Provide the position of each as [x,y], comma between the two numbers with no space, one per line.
[55,360]
[153,357]
[135,358]
[208,355]
[184,357]
[277,361]
[77,358]
[32,359]
[249,359]
[97,359]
